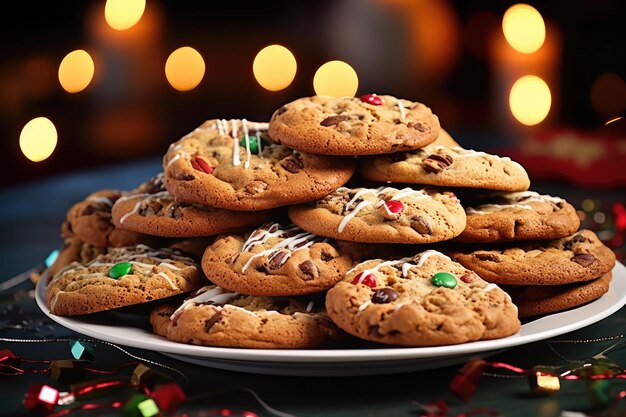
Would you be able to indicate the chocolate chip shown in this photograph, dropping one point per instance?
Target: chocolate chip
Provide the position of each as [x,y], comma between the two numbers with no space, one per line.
[421,225]
[436,163]
[584,259]
[326,256]
[185,177]
[487,256]
[261,268]
[384,295]
[278,112]
[334,120]
[309,269]
[210,322]
[420,127]
[255,187]
[89,210]
[175,211]
[374,331]
[276,259]
[292,164]
[577,238]
[150,209]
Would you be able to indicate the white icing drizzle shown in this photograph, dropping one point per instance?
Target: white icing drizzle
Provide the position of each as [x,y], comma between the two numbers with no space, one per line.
[244,122]
[262,235]
[309,307]
[519,198]
[168,279]
[174,159]
[130,213]
[406,263]
[217,296]
[220,127]
[236,160]
[395,195]
[258,142]
[365,305]
[401,108]
[100,199]
[490,287]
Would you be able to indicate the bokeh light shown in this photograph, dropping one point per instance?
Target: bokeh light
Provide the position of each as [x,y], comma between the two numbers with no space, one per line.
[274,67]
[530,100]
[76,71]
[123,14]
[38,139]
[335,79]
[524,28]
[608,95]
[184,68]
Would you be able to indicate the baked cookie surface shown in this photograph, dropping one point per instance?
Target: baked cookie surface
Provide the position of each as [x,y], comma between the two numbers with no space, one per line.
[213,316]
[230,164]
[90,221]
[447,167]
[576,258]
[538,300]
[383,215]
[525,215]
[121,277]
[158,213]
[276,260]
[425,300]
[353,126]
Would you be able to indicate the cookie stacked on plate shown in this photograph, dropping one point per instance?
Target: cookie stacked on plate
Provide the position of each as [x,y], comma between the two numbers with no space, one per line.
[331,220]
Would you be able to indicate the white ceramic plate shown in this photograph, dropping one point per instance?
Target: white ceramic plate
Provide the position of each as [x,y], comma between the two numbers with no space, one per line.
[335,362]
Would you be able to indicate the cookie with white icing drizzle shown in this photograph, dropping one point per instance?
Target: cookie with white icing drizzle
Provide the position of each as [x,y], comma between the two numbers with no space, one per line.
[424,300]
[524,215]
[366,125]
[383,215]
[231,164]
[276,260]
[90,221]
[152,210]
[123,276]
[447,166]
[213,316]
[576,258]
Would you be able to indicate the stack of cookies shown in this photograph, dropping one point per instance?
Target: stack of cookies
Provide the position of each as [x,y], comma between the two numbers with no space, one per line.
[341,218]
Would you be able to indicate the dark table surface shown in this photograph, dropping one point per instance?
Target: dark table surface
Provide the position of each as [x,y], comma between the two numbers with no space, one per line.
[30,219]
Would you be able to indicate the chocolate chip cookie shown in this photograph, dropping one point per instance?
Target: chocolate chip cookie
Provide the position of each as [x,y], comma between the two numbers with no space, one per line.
[159,214]
[447,167]
[213,316]
[424,300]
[367,125]
[74,250]
[230,164]
[276,260]
[525,215]
[535,300]
[576,258]
[121,277]
[383,215]
[90,221]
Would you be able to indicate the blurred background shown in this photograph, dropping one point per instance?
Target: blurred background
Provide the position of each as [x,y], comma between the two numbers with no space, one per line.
[96,83]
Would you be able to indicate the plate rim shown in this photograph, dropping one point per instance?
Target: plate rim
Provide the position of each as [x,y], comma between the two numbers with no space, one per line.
[540,329]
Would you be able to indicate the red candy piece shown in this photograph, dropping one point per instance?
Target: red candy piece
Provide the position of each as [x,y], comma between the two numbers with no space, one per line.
[201,165]
[41,398]
[169,397]
[395,206]
[368,280]
[8,358]
[467,277]
[372,99]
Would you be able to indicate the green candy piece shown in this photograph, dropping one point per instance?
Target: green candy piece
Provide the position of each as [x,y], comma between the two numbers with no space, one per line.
[443,279]
[119,270]
[254,144]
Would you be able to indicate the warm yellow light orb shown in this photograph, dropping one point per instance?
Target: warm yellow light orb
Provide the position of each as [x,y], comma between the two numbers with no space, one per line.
[123,14]
[184,68]
[274,67]
[530,100]
[335,79]
[38,139]
[524,28]
[76,71]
